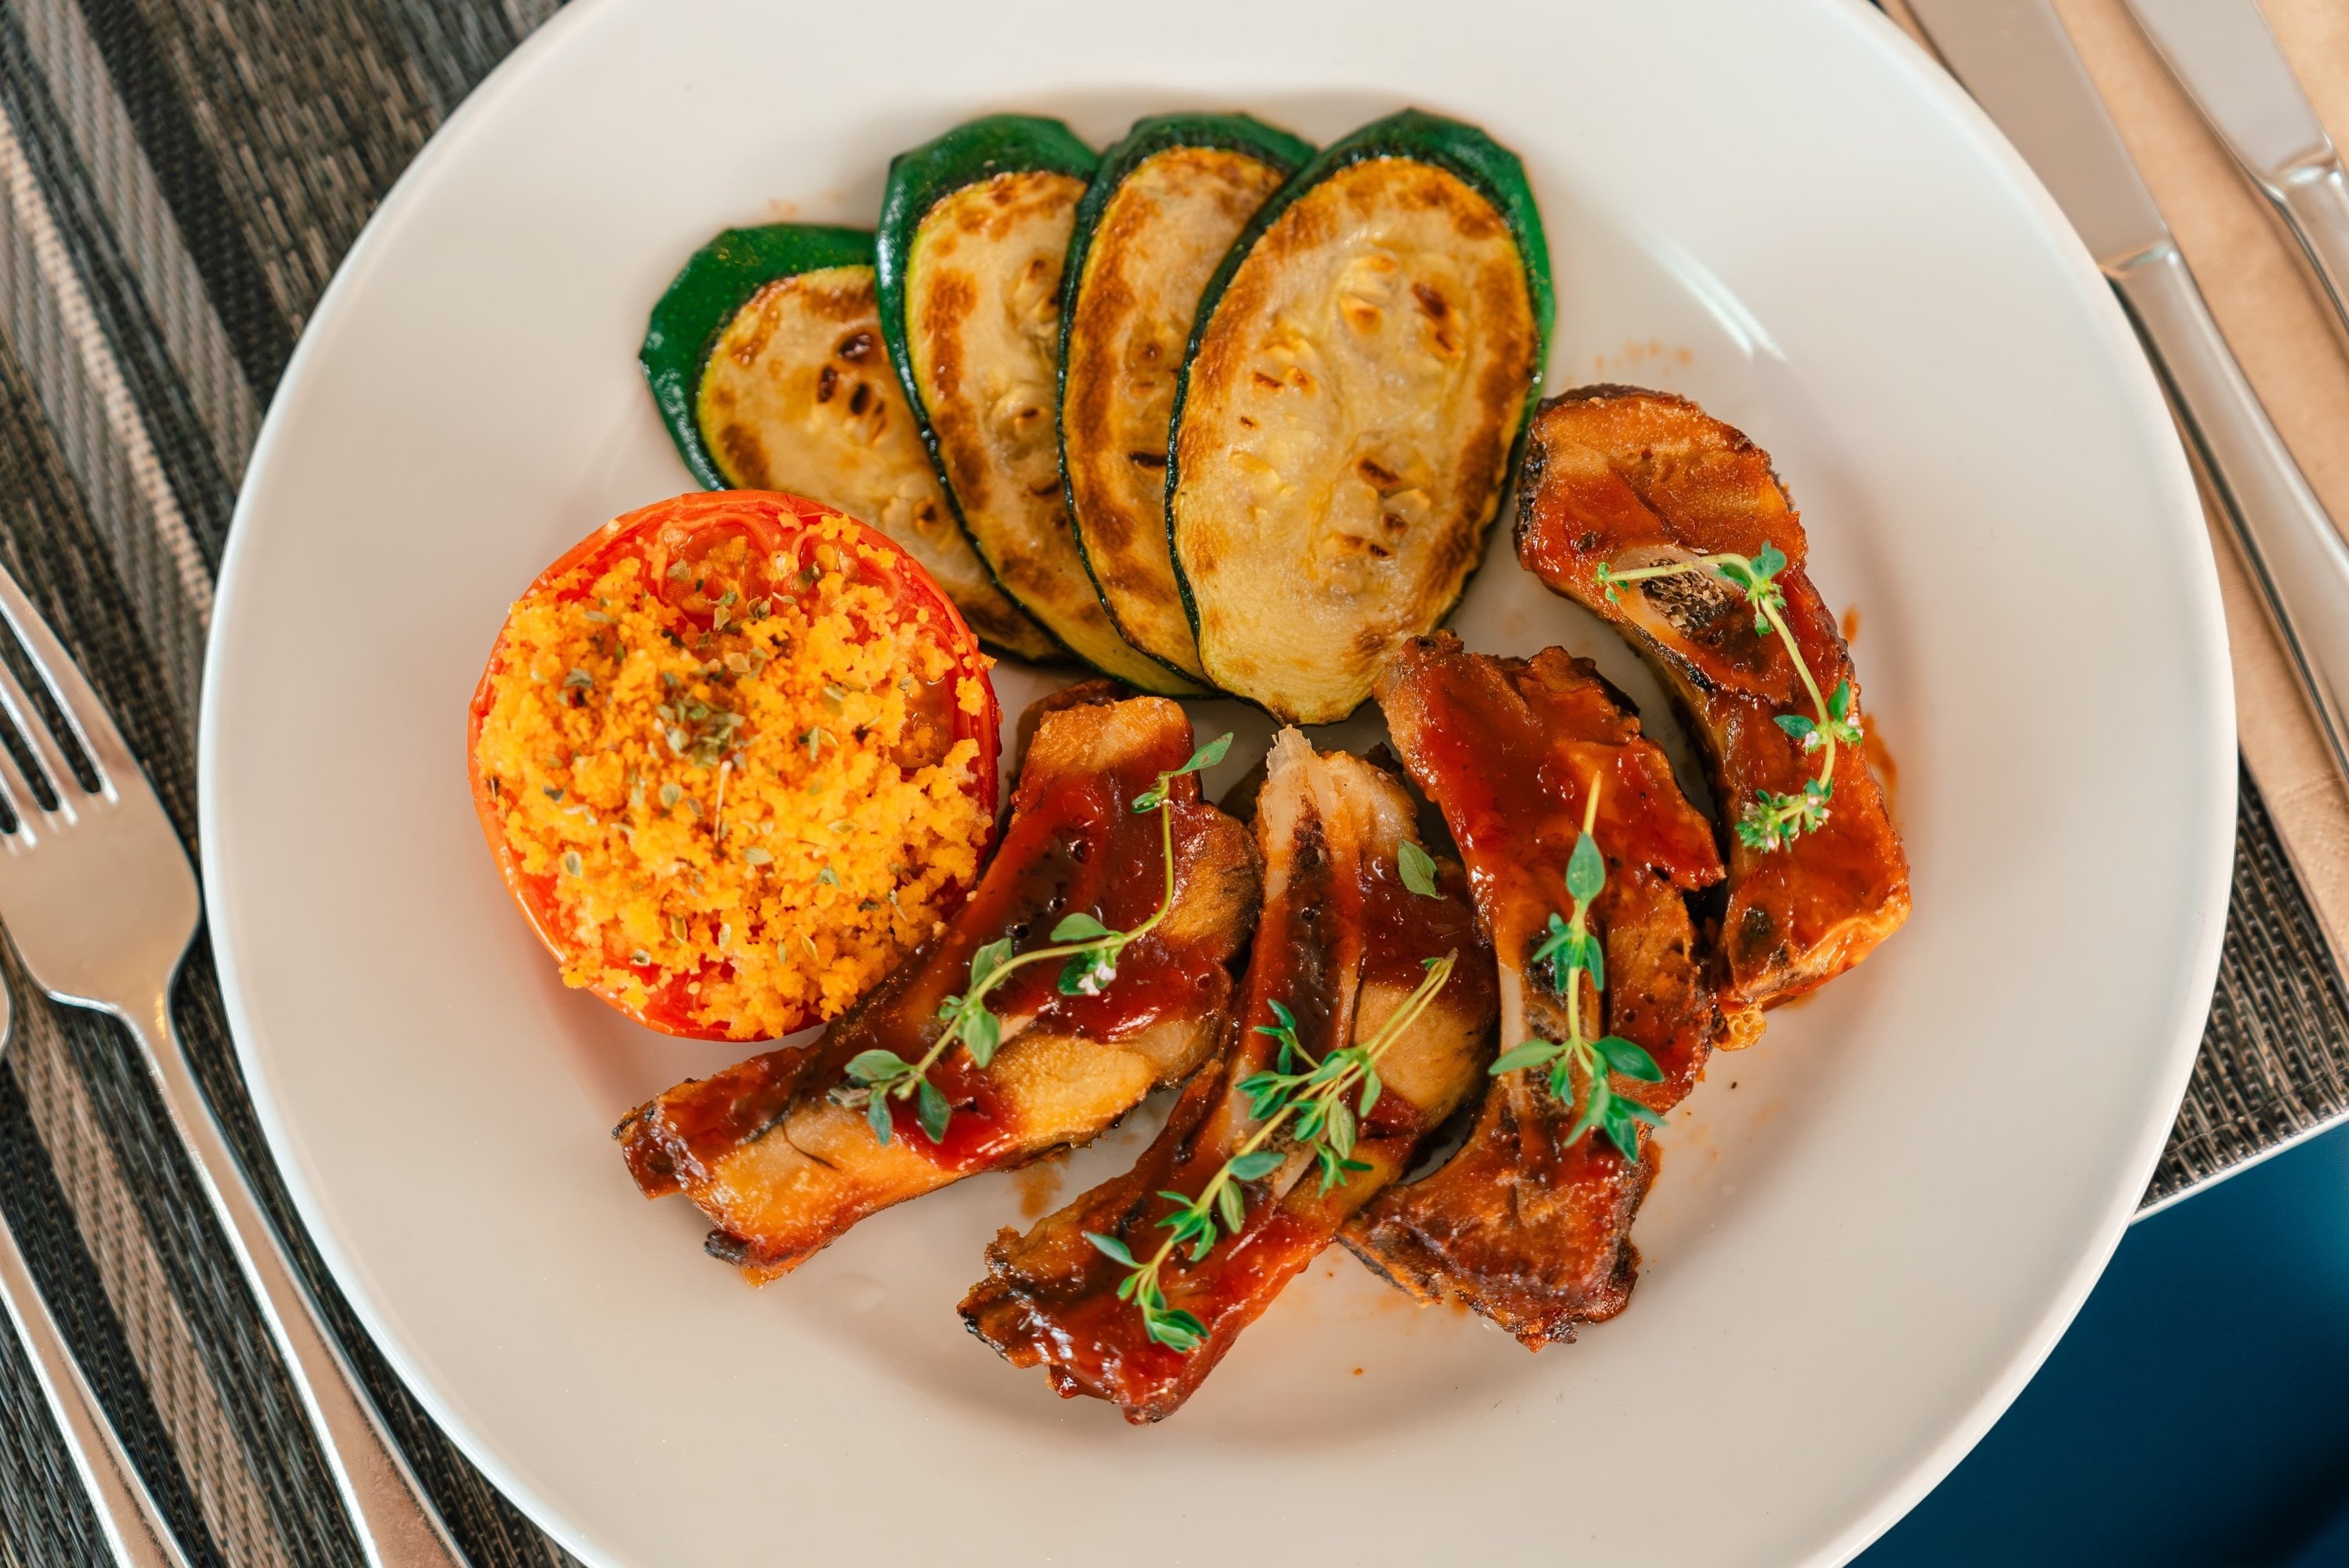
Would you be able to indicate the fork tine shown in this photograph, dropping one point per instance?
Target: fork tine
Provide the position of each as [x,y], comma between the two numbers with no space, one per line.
[87,717]
[26,718]
[16,792]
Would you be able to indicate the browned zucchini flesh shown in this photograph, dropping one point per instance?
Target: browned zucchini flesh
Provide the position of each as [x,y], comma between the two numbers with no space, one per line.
[765,358]
[1167,204]
[975,229]
[1360,375]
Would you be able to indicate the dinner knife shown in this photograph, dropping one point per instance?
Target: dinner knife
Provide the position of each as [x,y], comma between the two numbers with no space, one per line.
[2017,61]
[2224,56]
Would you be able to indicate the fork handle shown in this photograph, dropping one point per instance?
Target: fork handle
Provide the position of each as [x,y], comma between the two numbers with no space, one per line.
[397,1528]
[134,1526]
[2313,199]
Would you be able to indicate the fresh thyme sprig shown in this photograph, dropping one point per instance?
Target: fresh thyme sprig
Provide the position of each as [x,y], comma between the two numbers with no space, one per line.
[1571,949]
[1326,1127]
[1770,819]
[1089,950]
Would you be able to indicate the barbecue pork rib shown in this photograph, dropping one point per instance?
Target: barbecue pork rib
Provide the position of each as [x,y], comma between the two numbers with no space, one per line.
[1624,479]
[1526,1228]
[1342,944]
[781,1171]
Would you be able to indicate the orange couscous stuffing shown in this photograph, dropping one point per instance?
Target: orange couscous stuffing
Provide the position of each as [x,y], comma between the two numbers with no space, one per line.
[734,784]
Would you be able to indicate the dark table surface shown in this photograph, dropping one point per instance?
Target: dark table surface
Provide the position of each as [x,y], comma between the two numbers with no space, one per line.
[2195,1413]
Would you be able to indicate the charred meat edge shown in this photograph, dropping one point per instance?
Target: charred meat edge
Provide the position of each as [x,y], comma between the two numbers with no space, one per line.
[781,1171]
[1624,477]
[1524,1227]
[1341,945]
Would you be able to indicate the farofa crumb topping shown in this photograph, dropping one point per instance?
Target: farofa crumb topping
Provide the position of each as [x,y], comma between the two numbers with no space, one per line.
[759,810]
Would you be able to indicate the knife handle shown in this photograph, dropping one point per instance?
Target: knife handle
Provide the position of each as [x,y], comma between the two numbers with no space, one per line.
[2294,553]
[2313,199]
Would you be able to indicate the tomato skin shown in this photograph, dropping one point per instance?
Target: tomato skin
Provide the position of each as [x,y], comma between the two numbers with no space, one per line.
[773,521]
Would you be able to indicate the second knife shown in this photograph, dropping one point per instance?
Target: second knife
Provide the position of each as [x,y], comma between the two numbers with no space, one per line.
[2017,61]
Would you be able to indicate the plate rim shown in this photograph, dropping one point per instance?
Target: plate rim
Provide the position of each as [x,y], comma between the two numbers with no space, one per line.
[1901,55]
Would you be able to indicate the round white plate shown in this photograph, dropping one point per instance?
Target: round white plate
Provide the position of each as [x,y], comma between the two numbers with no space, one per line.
[1869,1229]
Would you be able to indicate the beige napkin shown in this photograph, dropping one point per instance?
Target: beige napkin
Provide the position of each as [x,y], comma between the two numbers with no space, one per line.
[2288,346]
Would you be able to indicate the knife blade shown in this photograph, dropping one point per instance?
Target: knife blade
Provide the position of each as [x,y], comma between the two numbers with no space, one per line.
[2221,52]
[2017,61]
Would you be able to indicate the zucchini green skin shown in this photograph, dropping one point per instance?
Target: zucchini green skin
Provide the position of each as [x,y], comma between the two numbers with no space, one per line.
[921,178]
[1452,145]
[706,295]
[918,181]
[1145,140]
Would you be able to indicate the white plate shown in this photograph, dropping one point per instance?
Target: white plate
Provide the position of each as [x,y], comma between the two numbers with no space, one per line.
[1869,1231]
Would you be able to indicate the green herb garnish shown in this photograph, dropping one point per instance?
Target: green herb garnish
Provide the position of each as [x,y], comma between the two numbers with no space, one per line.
[1325,1128]
[1770,819]
[1090,950]
[1417,867]
[1571,949]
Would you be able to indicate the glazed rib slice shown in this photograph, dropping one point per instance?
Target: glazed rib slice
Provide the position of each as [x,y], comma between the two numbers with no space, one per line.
[1341,945]
[1622,478]
[1528,1228]
[781,1170]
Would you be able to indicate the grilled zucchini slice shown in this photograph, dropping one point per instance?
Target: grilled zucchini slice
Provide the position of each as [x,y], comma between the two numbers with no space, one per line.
[974,232]
[1360,377]
[1165,206]
[765,358]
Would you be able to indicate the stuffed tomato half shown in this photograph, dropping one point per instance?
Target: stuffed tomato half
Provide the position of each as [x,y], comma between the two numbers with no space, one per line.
[735,755]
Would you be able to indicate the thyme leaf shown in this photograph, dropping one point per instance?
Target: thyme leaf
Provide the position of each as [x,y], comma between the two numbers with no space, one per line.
[1572,950]
[1090,950]
[1771,820]
[1417,869]
[1325,1127]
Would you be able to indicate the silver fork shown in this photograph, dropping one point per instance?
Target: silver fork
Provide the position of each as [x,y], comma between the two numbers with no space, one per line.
[134,1527]
[101,901]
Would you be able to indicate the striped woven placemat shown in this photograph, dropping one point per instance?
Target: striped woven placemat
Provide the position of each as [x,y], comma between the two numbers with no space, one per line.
[182,178]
